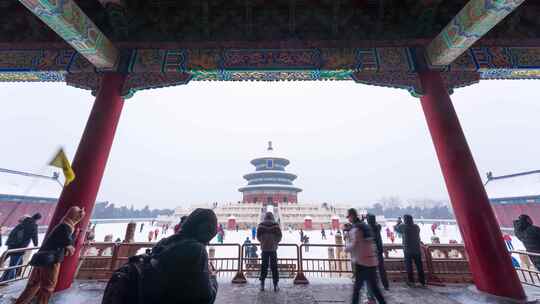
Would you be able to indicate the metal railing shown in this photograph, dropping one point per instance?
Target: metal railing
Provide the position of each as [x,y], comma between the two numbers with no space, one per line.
[20,271]
[442,263]
[526,269]
[226,266]
[288,266]
[337,264]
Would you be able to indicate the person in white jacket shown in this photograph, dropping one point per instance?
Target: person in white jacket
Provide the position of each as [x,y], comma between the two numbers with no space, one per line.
[361,246]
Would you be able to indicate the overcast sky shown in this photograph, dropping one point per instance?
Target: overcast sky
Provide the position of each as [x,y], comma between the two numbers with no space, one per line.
[348,143]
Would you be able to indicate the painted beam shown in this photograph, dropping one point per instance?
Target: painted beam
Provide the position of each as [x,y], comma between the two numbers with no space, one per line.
[469,25]
[67,19]
[217,64]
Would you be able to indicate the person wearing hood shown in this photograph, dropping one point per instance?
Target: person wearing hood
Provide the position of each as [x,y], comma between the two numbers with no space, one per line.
[269,235]
[361,246]
[376,229]
[46,262]
[412,252]
[529,235]
[20,237]
[181,270]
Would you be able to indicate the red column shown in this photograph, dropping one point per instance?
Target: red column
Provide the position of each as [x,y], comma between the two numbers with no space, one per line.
[89,164]
[490,263]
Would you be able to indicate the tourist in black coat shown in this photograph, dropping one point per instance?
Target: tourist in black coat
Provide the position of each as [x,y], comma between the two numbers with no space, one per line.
[269,235]
[411,249]
[20,237]
[182,271]
[376,229]
[529,235]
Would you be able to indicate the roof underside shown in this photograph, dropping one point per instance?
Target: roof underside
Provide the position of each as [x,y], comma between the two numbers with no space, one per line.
[225,22]
[159,43]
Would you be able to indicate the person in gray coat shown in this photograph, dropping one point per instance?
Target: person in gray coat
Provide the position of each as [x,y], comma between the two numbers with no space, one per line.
[269,235]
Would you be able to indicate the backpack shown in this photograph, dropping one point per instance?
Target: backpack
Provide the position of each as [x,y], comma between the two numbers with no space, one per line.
[125,285]
[133,281]
[16,236]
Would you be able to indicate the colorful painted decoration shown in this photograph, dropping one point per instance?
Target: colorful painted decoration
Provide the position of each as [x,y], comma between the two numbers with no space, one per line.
[67,19]
[469,25]
[154,68]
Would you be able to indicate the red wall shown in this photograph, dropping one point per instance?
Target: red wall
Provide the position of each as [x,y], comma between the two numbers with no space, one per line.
[506,214]
[276,197]
[11,212]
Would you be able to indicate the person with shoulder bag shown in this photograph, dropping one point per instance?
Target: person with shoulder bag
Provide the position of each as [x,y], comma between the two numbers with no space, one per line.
[46,262]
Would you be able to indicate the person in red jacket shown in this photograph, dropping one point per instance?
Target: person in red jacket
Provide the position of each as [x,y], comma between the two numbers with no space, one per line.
[434,228]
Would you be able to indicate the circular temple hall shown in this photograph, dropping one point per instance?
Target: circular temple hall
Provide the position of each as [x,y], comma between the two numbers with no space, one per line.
[269,183]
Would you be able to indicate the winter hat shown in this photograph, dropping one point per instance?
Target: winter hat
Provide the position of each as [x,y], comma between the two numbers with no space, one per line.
[201,225]
[36,216]
[269,216]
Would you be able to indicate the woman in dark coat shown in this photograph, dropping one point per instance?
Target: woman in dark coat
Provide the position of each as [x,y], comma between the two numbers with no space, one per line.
[58,243]
[182,272]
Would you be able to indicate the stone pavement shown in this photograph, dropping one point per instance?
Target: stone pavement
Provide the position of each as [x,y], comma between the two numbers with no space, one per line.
[318,292]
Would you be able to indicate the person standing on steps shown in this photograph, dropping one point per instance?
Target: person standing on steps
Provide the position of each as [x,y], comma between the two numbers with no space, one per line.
[269,235]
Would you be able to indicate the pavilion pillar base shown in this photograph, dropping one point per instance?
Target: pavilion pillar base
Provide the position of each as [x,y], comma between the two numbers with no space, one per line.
[89,164]
[300,279]
[489,260]
[239,278]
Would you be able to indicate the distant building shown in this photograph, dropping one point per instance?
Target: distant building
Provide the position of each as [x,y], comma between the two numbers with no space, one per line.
[270,189]
[514,194]
[270,184]
[23,194]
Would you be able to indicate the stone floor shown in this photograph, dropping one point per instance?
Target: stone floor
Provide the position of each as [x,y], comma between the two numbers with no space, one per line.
[89,292]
